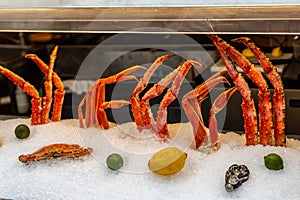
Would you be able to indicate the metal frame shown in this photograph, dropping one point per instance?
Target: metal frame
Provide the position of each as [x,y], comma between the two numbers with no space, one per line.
[188,20]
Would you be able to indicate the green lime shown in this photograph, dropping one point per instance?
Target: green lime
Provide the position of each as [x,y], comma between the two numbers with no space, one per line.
[22,131]
[114,161]
[273,161]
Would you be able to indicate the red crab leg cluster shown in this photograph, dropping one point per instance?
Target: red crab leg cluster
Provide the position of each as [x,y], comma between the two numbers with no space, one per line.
[95,100]
[278,97]
[40,107]
[248,107]
[265,106]
[177,76]
[59,92]
[204,137]
[142,84]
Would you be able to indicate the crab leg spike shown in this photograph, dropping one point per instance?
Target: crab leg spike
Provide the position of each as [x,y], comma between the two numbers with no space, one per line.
[28,89]
[170,96]
[217,106]
[142,84]
[278,97]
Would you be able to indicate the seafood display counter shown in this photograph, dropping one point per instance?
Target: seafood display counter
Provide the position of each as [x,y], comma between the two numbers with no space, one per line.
[125,101]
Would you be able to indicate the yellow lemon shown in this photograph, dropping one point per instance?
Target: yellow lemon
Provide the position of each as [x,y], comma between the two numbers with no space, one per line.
[247,53]
[167,161]
[277,52]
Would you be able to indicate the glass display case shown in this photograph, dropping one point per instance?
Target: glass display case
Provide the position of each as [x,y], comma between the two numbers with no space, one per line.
[79,26]
[82,155]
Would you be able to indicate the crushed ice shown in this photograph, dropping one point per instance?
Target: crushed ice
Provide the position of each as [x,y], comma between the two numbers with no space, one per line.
[88,177]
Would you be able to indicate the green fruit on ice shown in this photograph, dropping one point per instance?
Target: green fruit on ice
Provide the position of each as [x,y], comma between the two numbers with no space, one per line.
[22,131]
[273,161]
[114,161]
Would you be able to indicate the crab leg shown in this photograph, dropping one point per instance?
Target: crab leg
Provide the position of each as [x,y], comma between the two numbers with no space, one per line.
[59,93]
[95,99]
[47,99]
[217,106]
[278,97]
[88,100]
[28,89]
[79,111]
[265,107]
[158,89]
[170,96]
[142,84]
[248,107]
[191,103]
[100,99]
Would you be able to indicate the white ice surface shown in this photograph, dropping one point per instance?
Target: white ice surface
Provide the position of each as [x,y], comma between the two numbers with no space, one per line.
[88,178]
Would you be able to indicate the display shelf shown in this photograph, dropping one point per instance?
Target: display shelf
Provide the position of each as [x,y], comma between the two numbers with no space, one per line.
[188,20]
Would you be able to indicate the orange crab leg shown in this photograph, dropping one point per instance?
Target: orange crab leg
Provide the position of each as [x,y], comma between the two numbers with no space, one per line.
[248,107]
[89,104]
[265,106]
[47,99]
[142,84]
[170,96]
[100,99]
[59,93]
[79,111]
[158,89]
[115,104]
[28,89]
[95,99]
[89,108]
[192,107]
[217,106]
[278,97]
